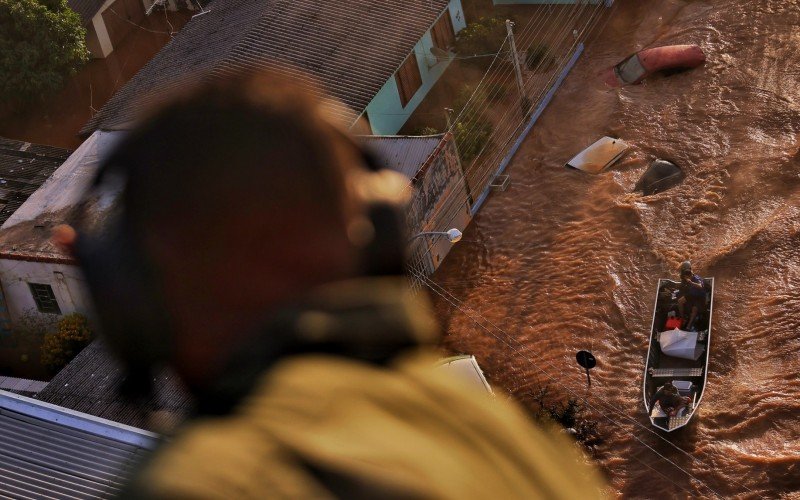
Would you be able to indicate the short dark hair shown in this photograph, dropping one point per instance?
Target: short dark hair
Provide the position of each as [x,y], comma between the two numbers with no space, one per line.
[257,138]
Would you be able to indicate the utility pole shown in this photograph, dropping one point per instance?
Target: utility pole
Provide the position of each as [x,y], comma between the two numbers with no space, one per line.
[525,102]
[449,121]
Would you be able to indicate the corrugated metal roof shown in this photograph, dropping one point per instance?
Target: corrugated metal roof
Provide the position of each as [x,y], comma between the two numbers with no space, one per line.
[50,452]
[21,385]
[404,154]
[351,47]
[90,383]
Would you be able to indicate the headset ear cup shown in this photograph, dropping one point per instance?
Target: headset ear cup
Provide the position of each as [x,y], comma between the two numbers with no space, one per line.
[385,254]
[132,319]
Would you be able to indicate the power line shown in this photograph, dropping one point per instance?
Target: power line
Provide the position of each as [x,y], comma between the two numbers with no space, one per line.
[608,408]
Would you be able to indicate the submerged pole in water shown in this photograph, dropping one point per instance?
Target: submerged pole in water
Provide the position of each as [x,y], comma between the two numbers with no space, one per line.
[588,361]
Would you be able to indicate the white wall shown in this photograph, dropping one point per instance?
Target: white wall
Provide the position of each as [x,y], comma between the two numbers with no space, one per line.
[67,282]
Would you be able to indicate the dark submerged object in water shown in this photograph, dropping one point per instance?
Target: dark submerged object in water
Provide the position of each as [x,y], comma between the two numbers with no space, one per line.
[660,176]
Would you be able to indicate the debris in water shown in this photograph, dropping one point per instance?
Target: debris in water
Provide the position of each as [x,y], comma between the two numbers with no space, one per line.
[639,66]
[599,156]
[659,176]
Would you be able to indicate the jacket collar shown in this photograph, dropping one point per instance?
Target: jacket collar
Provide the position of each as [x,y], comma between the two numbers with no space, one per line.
[369,319]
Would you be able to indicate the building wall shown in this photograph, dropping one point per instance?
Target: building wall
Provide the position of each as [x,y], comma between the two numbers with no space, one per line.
[98,38]
[385,112]
[96,30]
[66,281]
[438,202]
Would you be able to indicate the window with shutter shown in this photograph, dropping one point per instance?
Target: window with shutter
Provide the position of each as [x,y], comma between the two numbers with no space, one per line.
[442,33]
[408,79]
[45,298]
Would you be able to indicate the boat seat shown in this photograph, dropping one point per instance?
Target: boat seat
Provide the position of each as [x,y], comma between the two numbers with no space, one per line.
[676,372]
[675,422]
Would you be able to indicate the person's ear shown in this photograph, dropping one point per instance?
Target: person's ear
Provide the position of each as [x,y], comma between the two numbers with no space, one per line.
[63,236]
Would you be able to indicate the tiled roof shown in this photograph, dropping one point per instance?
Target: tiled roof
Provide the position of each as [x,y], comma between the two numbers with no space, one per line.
[49,452]
[404,154]
[23,168]
[351,47]
[87,9]
[90,383]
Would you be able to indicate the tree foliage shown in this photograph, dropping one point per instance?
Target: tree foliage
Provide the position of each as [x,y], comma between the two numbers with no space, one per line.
[484,36]
[71,336]
[473,130]
[41,43]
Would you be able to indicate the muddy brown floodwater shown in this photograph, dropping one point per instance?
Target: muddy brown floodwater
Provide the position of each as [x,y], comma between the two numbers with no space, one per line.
[564,261]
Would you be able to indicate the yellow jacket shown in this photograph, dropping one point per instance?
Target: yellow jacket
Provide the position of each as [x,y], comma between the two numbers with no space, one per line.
[322,426]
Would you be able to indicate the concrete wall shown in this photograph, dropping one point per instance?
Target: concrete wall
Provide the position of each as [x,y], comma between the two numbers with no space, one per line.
[66,280]
[385,112]
[438,202]
[98,40]
[103,47]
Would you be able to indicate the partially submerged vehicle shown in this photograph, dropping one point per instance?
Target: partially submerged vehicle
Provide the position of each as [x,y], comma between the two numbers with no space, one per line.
[599,156]
[659,176]
[644,63]
[677,356]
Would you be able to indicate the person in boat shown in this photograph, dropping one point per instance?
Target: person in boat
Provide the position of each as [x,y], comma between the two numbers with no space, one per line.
[669,399]
[692,297]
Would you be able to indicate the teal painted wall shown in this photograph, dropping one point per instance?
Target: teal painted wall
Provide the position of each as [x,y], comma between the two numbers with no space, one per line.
[385,112]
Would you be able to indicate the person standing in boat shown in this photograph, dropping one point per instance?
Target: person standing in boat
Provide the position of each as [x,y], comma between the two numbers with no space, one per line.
[692,296]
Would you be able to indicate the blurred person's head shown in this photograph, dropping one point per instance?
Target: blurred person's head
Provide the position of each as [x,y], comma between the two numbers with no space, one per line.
[239,196]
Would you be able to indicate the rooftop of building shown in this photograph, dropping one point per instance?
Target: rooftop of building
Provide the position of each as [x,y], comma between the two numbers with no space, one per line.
[90,384]
[24,167]
[52,452]
[351,48]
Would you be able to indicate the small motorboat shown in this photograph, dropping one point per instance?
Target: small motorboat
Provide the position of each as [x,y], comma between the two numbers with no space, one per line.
[644,63]
[599,156]
[677,356]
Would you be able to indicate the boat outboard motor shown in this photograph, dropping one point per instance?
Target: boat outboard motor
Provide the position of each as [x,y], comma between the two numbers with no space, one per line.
[660,176]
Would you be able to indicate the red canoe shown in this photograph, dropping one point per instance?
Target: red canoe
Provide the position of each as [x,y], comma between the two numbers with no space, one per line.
[639,66]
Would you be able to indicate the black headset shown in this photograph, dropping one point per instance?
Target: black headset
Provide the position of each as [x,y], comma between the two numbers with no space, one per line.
[124,285]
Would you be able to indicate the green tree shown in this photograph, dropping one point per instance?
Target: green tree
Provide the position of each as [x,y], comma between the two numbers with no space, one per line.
[473,130]
[41,43]
[484,36]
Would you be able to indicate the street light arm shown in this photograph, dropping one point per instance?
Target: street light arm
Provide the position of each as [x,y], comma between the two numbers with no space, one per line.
[453,235]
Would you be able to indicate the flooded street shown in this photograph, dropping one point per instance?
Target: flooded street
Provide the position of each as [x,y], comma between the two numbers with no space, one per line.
[564,261]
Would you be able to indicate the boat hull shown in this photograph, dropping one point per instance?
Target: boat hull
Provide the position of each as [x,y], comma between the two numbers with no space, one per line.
[687,372]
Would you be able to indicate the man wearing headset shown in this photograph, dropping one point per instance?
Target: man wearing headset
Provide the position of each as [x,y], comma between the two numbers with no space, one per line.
[256,250]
